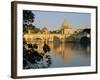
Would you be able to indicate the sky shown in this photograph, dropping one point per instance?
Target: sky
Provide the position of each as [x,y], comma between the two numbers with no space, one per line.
[53,20]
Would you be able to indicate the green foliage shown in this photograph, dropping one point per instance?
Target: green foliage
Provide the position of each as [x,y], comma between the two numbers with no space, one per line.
[30,27]
[36,30]
[28,17]
[87,30]
[56,32]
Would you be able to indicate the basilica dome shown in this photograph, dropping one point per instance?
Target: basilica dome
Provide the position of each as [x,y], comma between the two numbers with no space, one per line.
[65,25]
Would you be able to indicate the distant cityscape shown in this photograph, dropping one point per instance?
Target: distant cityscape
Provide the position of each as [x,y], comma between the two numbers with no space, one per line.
[64,34]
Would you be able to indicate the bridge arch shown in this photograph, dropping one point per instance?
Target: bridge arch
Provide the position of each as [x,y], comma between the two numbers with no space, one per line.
[85,40]
[56,39]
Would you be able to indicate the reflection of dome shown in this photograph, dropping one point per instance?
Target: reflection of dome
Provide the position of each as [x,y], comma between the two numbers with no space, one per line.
[65,25]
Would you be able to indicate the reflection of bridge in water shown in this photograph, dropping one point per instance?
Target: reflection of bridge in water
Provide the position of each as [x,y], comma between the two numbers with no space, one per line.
[67,50]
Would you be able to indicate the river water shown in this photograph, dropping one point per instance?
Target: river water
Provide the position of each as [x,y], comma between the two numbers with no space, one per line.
[69,55]
[63,55]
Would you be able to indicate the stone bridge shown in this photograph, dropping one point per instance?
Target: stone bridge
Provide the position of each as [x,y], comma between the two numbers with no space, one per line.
[56,37]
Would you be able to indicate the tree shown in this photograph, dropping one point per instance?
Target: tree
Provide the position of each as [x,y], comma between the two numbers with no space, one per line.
[30,26]
[87,30]
[28,17]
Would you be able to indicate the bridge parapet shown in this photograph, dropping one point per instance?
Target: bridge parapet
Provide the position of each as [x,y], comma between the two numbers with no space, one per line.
[50,37]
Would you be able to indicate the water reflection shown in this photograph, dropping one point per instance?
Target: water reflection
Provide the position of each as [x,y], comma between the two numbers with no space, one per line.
[70,54]
[58,55]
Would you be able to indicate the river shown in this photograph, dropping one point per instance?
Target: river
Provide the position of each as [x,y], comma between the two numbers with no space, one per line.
[63,55]
[69,55]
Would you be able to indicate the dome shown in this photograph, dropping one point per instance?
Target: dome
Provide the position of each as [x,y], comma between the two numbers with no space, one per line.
[65,24]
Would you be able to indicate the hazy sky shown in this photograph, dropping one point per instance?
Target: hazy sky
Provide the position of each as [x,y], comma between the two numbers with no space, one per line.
[53,20]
